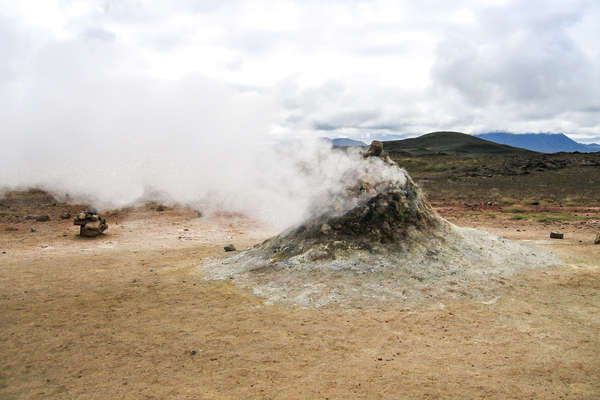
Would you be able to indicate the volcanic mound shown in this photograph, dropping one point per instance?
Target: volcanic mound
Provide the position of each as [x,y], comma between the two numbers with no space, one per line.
[377,240]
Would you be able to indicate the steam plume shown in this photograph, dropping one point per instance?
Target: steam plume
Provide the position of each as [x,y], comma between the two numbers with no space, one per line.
[114,142]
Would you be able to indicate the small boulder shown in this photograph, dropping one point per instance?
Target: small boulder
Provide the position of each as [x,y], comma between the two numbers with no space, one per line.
[42,218]
[597,240]
[375,149]
[325,229]
[160,208]
[229,247]
[91,229]
[32,229]
[556,235]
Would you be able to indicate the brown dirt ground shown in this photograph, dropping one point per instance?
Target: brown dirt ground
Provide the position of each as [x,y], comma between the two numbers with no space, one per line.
[119,317]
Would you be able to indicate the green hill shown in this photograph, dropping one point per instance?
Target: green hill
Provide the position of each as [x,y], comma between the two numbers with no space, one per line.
[452,143]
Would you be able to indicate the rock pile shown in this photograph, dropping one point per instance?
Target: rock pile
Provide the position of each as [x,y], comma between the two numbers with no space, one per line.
[90,223]
[378,241]
[376,150]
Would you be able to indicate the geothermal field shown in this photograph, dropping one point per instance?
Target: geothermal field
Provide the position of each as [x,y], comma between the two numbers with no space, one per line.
[373,294]
[250,199]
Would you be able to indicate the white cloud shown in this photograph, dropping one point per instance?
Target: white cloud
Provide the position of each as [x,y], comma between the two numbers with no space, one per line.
[500,60]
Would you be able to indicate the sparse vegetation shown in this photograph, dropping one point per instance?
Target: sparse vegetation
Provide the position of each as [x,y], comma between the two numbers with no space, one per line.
[536,180]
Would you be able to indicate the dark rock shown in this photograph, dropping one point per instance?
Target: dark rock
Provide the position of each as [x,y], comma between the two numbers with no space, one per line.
[229,247]
[65,215]
[160,208]
[193,352]
[375,149]
[597,240]
[32,229]
[42,218]
[30,217]
[199,214]
[556,235]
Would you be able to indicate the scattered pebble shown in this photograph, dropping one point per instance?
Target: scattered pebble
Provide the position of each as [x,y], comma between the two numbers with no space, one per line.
[193,352]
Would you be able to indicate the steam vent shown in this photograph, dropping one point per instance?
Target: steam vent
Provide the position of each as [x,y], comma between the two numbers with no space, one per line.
[378,240]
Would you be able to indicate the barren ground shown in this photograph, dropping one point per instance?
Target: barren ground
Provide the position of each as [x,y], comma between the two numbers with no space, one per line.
[125,316]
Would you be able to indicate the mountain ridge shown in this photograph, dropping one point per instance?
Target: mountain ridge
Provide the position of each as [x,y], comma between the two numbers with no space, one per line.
[540,142]
[345,142]
[447,142]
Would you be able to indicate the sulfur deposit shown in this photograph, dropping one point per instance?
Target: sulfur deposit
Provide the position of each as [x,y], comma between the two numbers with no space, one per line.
[377,240]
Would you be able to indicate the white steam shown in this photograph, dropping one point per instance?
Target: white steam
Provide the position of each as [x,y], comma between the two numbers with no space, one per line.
[82,115]
[114,142]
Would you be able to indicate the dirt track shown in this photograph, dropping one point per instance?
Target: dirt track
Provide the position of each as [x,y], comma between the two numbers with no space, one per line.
[120,316]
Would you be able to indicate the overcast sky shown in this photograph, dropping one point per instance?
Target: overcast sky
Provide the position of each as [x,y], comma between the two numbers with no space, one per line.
[319,68]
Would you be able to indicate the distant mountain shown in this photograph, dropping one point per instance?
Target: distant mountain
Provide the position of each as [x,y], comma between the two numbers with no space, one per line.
[541,142]
[594,147]
[386,137]
[345,142]
[455,143]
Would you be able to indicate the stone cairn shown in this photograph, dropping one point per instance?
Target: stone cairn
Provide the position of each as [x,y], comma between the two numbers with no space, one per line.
[91,224]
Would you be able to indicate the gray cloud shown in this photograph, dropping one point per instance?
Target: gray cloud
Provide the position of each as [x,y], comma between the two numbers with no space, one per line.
[344,67]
